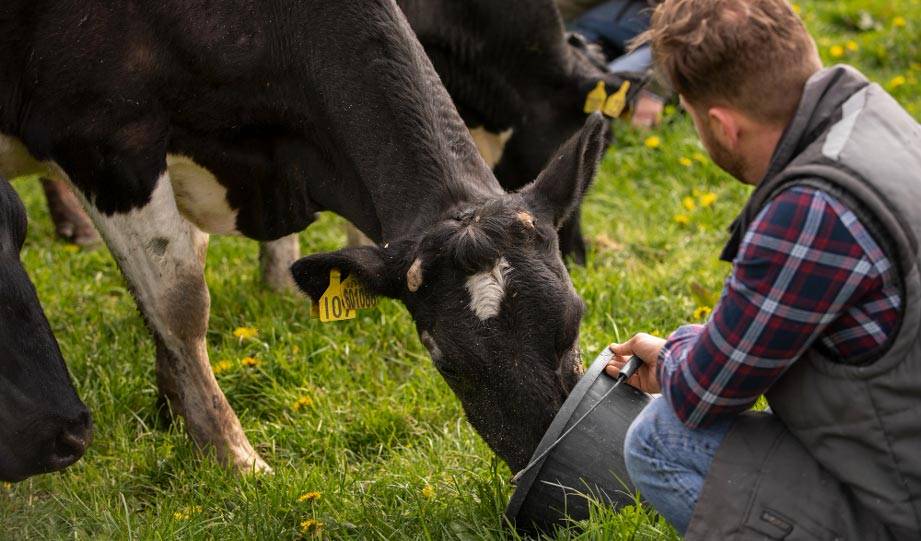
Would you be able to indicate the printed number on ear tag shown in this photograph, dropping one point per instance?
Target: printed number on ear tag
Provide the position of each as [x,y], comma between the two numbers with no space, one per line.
[342,299]
[616,103]
[595,99]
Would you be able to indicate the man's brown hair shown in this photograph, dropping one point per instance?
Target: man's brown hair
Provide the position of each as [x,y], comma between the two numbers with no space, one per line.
[753,55]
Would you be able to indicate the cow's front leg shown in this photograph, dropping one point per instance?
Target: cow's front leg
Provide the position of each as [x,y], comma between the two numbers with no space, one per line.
[162,257]
[275,260]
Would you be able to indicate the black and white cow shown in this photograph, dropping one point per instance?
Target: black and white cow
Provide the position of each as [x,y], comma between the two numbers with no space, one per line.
[518,82]
[180,118]
[44,426]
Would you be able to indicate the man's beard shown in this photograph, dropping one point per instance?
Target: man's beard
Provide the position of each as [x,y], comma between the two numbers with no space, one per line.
[727,161]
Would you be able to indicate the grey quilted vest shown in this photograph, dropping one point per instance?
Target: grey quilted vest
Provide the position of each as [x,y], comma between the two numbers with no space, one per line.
[841,456]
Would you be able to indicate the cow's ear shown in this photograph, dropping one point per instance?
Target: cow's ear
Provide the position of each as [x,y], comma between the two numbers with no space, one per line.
[560,186]
[371,265]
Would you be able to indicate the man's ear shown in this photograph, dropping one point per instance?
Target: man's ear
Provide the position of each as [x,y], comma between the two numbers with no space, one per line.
[560,186]
[369,264]
[724,126]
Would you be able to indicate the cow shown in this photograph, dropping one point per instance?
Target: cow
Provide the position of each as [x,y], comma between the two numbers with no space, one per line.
[183,118]
[519,82]
[44,427]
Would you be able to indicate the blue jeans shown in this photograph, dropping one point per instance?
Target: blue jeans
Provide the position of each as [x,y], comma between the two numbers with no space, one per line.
[613,24]
[668,461]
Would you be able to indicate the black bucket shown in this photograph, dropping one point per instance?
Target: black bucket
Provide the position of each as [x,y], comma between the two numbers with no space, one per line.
[588,462]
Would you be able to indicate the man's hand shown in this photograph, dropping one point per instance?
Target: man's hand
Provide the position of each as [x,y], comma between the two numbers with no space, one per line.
[647,348]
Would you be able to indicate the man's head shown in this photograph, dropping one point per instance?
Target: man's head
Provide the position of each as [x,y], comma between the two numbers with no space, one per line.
[740,67]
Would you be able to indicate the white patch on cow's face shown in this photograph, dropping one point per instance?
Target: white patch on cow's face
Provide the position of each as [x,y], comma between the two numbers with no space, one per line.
[491,145]
[487,289]
[430,344]
[200,197]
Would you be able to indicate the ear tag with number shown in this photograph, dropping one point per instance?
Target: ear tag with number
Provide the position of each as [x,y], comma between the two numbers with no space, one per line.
[618,100]
[595,99]
[342,299]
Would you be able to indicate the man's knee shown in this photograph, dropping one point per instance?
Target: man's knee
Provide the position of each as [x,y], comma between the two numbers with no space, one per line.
[640,446]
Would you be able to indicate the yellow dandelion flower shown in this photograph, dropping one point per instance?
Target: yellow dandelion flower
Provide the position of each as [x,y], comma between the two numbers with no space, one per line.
[688,203]
[897,81]
[428,492]
[702,312]
[852,46]
[249,361]
[836,51]
[797,9]
[309,497]
[179,515]
[899,22]
[245,333]
[653,142]
[707,199]
[700,157]
[682,219]
[71,248]
[302,402]
[311,526]
[685,161]
[221,366]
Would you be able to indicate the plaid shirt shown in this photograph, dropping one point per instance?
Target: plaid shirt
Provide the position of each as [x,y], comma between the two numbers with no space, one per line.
[808,273]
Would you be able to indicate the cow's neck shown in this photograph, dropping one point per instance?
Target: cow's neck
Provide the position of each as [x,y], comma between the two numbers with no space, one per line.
[400,145]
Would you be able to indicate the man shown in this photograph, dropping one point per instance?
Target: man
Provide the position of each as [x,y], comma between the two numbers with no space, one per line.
[611,25]
[821,312]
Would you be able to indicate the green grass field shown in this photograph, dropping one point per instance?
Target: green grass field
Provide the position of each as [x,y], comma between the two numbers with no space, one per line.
[354,412]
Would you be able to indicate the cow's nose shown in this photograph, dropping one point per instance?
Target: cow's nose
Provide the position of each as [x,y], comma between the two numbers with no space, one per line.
[72,441]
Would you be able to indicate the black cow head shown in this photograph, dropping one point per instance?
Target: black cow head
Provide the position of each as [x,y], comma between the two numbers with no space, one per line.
[491,299]
[44,426]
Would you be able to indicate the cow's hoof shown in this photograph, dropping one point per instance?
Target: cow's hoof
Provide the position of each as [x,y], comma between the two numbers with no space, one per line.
[252,465]
[70,221]
[275,260]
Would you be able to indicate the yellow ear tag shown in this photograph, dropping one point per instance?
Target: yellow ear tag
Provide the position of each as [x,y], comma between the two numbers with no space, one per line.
[342,299]
[618,100]
[595,99]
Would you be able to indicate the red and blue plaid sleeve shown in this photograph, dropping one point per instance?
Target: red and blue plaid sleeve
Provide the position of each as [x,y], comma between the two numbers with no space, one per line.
[807,271]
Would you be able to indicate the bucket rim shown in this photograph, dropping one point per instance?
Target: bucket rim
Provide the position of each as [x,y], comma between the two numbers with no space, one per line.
[557,426]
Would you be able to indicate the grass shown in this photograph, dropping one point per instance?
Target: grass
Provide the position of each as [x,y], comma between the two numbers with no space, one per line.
[355,411]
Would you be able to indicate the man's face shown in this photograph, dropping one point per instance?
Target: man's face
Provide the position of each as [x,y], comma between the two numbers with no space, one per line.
[709,130]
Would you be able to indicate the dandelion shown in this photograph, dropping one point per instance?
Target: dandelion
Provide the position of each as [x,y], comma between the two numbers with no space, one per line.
[245,333]
[428,492]
[707,199]
[249,361]
[71,248]
[300,403]
[682,219]
[797,9]
[688,203]
[653,142]
[312,527]
[699,157]
[186,513]
[309,497]
[836,51]
[897,81]
[702,312]
[852,46]
[899,22]
[685,161]
[221,366]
